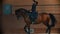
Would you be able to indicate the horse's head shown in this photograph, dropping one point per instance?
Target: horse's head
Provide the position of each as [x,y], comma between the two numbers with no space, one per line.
[20,12]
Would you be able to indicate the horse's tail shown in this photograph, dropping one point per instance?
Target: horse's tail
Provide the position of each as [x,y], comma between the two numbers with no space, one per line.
[53,19]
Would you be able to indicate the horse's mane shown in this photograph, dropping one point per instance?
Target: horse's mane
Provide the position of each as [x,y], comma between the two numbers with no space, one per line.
[22,9]
[19,10]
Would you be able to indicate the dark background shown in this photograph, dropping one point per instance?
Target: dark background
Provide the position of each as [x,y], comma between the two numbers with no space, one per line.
[0,16]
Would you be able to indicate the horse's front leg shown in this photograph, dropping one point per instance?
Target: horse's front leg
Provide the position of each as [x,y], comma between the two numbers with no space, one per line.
[27,28]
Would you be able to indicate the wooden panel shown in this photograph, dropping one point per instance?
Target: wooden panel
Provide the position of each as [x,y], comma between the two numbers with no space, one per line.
[29,2]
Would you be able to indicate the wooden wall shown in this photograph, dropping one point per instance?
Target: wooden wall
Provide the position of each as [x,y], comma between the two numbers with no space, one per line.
[11,25]
[27,4]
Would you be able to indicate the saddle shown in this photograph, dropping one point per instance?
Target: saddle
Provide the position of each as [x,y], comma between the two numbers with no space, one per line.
[33,16]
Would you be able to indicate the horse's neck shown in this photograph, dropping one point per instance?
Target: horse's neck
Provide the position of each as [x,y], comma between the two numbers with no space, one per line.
[24,15]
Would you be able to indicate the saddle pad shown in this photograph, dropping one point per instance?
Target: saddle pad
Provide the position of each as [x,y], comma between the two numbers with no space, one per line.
[33,16]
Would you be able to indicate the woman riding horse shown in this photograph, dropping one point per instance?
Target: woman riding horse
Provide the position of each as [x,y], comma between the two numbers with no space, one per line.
[35,18]
[41,18]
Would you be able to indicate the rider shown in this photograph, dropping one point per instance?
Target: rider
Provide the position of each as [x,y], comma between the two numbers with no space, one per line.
[34,6]
[33,13]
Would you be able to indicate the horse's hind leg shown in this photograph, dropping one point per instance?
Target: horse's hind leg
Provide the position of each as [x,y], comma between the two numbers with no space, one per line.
[48,27]
[48,30]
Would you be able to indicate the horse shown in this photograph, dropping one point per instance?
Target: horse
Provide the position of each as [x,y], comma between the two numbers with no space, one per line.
[41,18]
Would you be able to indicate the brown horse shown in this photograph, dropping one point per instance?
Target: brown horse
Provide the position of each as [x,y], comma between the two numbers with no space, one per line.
[41,18]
